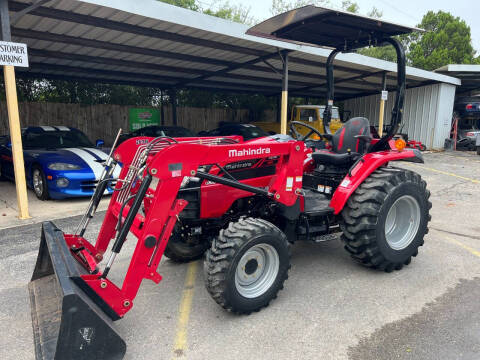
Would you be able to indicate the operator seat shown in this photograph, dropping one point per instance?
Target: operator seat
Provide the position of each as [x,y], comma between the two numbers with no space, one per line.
[350,141]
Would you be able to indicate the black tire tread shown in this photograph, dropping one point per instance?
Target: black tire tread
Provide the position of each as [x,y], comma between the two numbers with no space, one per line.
[221,254]
[177,255]
[359,216]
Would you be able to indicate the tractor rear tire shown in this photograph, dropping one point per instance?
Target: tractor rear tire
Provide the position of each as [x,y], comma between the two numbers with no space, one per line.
[386,219]
[247,265]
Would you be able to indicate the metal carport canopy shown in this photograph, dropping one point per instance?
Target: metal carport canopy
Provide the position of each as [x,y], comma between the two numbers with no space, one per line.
[468,74]
[150,43]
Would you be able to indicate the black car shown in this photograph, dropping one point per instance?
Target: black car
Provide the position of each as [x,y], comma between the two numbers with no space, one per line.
[156,131]
[247,131]
[468,107]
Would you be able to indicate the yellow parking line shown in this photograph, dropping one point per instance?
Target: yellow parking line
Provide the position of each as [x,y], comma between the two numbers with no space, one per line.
[462,245]
[184,311]
[464,158]
[445,173]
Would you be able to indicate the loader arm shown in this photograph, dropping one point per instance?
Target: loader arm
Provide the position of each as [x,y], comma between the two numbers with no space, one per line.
[169,166]
[73,300]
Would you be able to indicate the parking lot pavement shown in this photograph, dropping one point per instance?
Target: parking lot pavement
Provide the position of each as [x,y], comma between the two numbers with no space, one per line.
[39,210]
[331,308]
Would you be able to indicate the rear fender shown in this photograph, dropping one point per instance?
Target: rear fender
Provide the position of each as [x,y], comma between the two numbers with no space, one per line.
[364,167]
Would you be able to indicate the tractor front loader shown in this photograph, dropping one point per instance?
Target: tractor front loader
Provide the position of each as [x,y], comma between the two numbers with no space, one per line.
[73,300]
[241,202]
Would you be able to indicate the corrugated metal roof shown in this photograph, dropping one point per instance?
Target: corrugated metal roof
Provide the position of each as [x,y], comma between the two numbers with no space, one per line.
[468,74]
[149,43]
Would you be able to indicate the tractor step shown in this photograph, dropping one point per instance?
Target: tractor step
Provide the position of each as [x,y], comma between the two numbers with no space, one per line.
[326,237]
[316,204]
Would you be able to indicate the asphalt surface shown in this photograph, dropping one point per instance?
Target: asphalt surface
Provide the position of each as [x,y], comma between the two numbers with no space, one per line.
[39,210]
[331,307]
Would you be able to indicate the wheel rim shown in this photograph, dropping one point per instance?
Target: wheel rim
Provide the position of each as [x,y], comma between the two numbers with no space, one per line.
[37,182]
[257,270]
[402,222]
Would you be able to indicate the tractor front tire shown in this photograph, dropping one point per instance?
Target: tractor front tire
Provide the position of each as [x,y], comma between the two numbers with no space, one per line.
[181,251]
[386,219]
[247,265]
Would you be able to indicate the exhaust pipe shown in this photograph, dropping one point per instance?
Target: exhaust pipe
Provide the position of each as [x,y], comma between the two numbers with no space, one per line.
[68,323]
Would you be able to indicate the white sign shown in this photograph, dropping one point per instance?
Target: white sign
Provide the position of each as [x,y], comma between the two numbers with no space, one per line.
[384,95]
[13,54]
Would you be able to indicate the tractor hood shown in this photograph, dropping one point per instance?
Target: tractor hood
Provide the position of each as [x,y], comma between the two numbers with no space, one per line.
[320,26]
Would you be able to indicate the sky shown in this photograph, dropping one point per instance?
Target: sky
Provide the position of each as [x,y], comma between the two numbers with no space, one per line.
[408,12]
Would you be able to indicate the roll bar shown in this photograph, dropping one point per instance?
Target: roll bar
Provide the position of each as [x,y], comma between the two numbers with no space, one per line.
[327,113]
[397,111]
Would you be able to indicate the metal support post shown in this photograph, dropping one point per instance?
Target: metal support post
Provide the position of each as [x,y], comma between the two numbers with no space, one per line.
[283,117]
[382,106]
[173,99]
[14,119]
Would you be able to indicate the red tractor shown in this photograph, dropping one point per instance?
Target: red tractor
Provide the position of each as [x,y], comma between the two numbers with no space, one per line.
[245,202]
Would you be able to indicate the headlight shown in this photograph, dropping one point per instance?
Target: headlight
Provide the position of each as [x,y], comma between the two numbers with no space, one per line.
[63,166]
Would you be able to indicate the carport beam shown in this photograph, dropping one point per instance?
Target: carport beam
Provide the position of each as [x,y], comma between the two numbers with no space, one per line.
[14,119]
[283,117]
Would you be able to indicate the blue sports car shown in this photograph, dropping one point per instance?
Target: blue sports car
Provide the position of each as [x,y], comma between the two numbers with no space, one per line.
[60,162]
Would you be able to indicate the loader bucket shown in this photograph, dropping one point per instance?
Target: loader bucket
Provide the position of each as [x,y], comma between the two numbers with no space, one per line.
[67,323]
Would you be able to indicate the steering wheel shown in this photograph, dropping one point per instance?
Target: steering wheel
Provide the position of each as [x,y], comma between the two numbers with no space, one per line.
[299,136]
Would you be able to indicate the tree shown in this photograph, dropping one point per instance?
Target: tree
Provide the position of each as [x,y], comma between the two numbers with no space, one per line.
[187,4]
[350,6]
[447,40]
[375,13]
[281,6]
[387,52]
[237,13]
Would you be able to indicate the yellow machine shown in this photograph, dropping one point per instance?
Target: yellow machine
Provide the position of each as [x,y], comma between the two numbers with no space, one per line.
[310,114]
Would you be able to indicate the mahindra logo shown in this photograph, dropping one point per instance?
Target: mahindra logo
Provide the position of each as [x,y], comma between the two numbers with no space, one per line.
[87,334]
[245,152]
